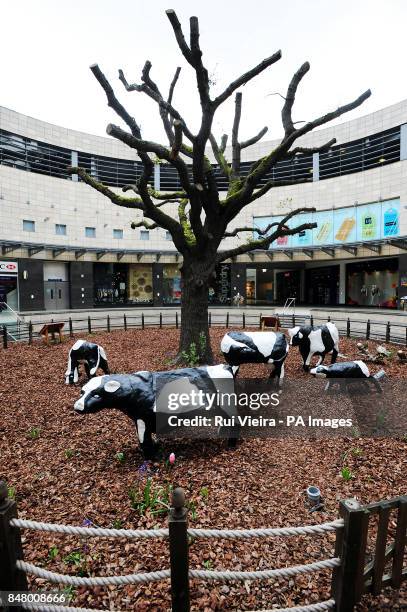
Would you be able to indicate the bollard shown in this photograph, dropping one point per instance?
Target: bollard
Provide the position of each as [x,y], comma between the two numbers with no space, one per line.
[30,333]
[125,322]
[368,329]
[4,336]
[89,325]
[260,321]
[108,323]
[348,328]
[179,562]
[70,328]
[11,578]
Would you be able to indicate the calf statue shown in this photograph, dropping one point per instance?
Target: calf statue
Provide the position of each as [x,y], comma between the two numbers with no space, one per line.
[315,341]
[92,355]
[355,370]
[256,347]
[145,397]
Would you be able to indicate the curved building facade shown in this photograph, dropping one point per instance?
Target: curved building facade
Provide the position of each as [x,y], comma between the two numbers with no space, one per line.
[65,246]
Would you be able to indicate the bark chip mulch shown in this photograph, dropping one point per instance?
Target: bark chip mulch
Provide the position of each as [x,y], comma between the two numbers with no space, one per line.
[66,468]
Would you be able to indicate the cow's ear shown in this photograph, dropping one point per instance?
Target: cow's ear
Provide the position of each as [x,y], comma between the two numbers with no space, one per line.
[300,335]
[111,386]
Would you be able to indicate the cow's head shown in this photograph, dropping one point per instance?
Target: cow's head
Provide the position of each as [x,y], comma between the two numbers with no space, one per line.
[295,336]
[320,371]
[100,392]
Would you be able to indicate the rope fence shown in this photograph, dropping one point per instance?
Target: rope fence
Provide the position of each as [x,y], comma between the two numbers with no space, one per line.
[347,563]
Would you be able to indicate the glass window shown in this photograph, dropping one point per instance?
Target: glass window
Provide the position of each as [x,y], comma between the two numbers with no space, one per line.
[144,235]
[168,236]
[118,234]
[90,232]
[60,229]
[28,226]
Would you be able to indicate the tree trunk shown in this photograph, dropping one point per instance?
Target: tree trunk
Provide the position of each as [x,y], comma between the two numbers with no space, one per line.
[194,310]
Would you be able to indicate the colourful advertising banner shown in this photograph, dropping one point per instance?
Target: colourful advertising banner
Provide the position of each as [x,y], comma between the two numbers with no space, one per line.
[359,223]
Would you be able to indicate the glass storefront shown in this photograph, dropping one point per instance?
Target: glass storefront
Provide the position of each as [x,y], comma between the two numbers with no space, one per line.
[322,286]
[120,284]
[171,284]
[140,284]
[373,283]
[8,284]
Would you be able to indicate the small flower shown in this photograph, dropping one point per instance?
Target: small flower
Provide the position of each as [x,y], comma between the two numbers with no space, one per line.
[87,523]
[172,459]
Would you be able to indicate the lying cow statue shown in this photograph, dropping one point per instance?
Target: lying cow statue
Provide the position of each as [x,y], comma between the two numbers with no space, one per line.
[355,370]
[93,357]
[256,347]
[315,341]
[137,396]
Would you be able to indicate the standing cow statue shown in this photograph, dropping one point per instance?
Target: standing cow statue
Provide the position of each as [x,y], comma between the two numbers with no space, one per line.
[93,357]
[256,347]
[353,370]
[315,341]
[138,396]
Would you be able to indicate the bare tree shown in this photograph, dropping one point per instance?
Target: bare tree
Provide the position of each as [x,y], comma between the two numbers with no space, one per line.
[204,213]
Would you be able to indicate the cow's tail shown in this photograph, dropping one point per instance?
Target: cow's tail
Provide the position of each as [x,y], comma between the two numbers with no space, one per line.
[95,369]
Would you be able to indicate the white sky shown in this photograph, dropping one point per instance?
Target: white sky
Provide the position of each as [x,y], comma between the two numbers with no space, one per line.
[46,47]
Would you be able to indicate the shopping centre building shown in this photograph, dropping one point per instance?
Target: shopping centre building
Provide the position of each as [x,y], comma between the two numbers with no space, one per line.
[63,245]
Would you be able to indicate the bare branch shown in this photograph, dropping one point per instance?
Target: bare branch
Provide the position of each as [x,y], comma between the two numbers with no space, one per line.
[149,226]
[281,230]
[254,139]
[136,203]
[177,143]
[235,136]
[176,26]
[311,150]
[239,230]
[246,77]
[172,86]
[220,158]
[286,113]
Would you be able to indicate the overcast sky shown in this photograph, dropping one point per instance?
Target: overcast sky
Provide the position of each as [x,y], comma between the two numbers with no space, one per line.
[46,47]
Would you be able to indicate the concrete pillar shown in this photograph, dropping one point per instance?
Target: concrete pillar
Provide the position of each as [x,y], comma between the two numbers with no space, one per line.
[315,166]
[342,283]
[403,141]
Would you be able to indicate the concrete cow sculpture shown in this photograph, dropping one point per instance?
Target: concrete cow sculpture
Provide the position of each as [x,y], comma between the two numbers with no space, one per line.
[315,341]
[93,357]
[355,370]
[256,347]
[143,396]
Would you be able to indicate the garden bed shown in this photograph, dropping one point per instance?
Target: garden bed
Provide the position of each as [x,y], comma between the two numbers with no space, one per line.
[71,469]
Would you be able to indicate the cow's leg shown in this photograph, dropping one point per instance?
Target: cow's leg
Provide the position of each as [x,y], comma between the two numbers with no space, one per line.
[321,358]
[87,370]
[145,438]
[74,375]
[104,365]
[92,367]
[281,376]
[307,363]
[376,384]
[335,353]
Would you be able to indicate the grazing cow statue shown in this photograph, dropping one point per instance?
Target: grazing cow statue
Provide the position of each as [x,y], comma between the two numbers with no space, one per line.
[355,370]
[256,347]
[138,395]
[93,357]
[315,341]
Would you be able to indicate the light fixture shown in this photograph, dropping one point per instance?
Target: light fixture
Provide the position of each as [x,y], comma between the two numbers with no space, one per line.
[25,274]
[382,159]
[263,270]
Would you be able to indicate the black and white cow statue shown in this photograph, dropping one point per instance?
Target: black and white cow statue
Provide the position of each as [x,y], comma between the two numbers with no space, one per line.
[93,357]
[315,341]
[355,370]
[138,396]
[256,347]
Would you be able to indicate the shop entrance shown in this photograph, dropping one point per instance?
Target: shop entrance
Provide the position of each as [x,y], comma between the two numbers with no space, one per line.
[56,295]
[373,283]
[288,285]
[322,286]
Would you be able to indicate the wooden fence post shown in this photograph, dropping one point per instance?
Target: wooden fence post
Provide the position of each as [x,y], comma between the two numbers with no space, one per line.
[368,329]
[108,323]
[388,331]
[227,324]
[400,543]
[11,578]
[161,320]
[89,325]
[260,321]
[4,336]
[348,578]
[179,562]
[210,319]
[125,321]
[30,333]
[176,319]
[312,321]
[70,328]
[243,320]
[348,328]
[142,320]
